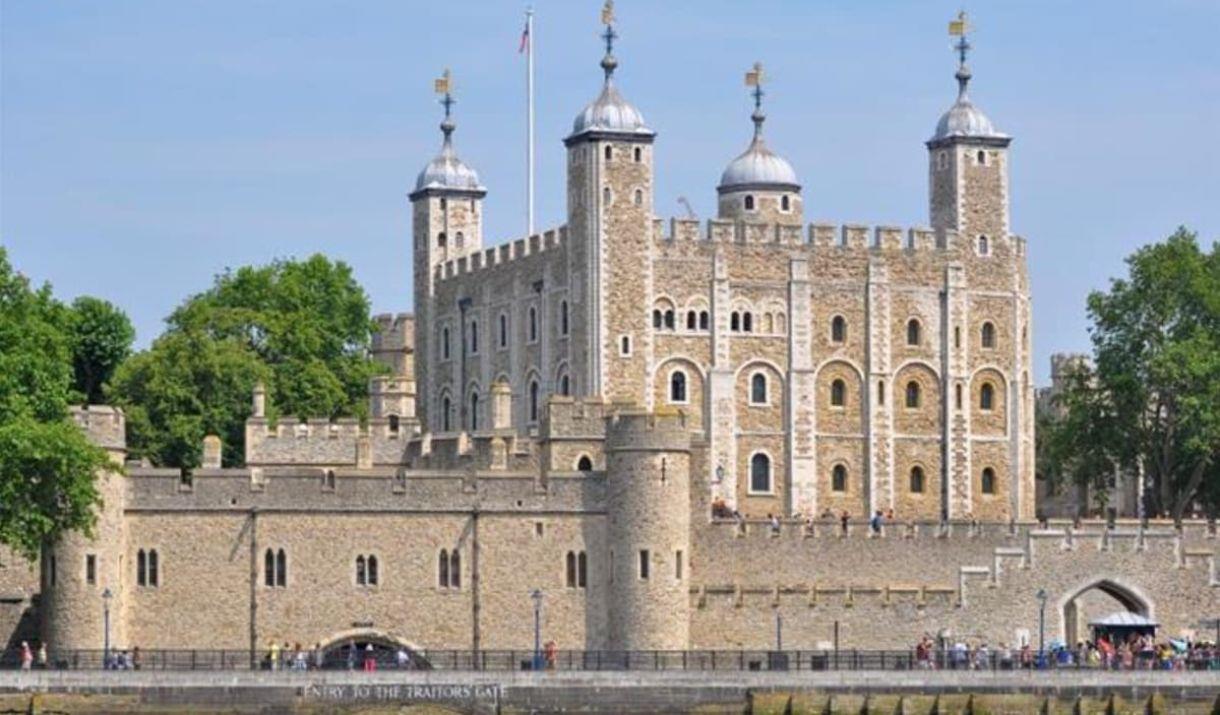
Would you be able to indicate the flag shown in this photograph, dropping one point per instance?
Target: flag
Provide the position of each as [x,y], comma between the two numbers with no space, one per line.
[958,26]
[608,12]
[440,85]
[525,38]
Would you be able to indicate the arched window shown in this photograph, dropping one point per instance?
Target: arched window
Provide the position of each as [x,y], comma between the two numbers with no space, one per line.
[533,324]
[838,329]
[957,396]
[582,570]
[459,239]
[784,203]
[982,157]
[984,249]
[987,481]
[474,411]
[768,323]
[584,464]
[677,387]
[606,196]
[917,480]
[394,423]
[913,332]
[705,320]
[669,320]
[838,393]
[141,568]
[503,330]
[988,335]
[281,569]
[441,240]
[658,319]
[565,385]
[781,323]
[444,343]
[758,389]
[838,478]
[563,317]
[609,152]
[372,566]
[986,397]
[760,473]
[328,480]
[442,569]
[570,569]
[639,197]
[747,322]
[957,336]
[638,155]
[912,394]
[735,322]
[269,568]
[446,412]
[361,572]
[455,569]
[154,578]
[533,401]
[474,337]
[881,392]
[749,202]
[624,345]
[444,204]
[692,320]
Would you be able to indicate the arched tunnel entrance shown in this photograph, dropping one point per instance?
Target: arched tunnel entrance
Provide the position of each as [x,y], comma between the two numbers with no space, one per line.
[350,650]
[1097,599]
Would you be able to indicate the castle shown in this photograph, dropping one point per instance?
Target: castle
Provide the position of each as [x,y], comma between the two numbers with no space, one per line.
[578,412]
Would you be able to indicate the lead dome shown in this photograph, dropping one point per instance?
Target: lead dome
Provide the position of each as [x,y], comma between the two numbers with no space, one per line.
[446,170]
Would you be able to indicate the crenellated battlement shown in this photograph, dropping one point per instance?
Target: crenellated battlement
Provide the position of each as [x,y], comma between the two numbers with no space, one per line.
[505,254]
[395,331]
[105,426]
[828,236]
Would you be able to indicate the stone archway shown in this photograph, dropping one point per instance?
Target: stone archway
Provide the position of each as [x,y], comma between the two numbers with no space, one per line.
[347,649]
[1094,599]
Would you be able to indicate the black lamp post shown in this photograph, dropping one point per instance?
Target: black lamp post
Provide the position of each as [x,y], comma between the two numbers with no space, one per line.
[106,596]
[1041,596]
[536,596]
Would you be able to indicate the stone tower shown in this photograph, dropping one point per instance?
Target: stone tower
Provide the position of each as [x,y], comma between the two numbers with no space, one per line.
[968,169]
[610,193]
[648,511]
[759,185]
[77,570]
[447,222]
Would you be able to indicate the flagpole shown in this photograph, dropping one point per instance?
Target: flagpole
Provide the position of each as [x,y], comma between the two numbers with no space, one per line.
[529,88]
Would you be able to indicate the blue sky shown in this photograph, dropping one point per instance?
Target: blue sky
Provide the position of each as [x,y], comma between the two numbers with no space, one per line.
[146,146]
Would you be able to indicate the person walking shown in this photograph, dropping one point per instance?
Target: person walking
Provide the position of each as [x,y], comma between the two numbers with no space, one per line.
[27,656]
[42,656]
[844,517]
[370,661]
[273,655]
[875,523]
[403,658]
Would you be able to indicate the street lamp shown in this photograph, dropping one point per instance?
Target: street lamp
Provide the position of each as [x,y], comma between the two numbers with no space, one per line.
[106,596]
[536,596]
[1041,596]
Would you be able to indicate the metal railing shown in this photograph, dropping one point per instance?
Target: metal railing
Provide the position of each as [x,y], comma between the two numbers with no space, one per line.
[596,660]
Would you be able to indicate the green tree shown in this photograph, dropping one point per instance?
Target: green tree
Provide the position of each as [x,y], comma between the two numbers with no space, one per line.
[1153,401]
[47,465]
[186,386]
[101,339]
[302,327]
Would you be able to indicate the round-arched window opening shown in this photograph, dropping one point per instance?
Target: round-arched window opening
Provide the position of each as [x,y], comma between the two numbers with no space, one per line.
[584,464]
[749,202]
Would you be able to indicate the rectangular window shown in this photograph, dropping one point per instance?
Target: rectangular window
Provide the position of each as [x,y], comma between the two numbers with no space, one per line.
[644,564]
[51,570]
[678,565]
[538,529]
[90,569]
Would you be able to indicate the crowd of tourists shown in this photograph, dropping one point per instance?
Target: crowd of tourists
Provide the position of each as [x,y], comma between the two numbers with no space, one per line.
[351,656]
[1133,653]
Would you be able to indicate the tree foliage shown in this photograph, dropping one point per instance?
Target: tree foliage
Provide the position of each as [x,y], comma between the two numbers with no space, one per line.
[101,337]
[1152,401]
[47,465]
[301,327]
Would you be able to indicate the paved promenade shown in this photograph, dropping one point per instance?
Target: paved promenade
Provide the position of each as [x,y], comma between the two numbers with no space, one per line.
[344,691]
